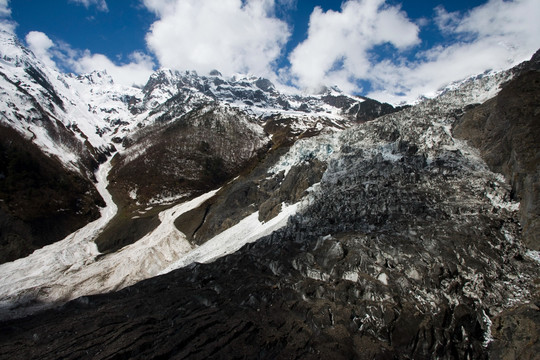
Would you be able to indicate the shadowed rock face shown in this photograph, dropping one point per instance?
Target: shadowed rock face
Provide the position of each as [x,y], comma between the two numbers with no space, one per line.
[506,130]
[517,333]
[191,154]
[41,201]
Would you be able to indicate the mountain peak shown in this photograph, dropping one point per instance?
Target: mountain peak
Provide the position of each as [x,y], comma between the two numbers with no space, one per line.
[97,77]
[12,51]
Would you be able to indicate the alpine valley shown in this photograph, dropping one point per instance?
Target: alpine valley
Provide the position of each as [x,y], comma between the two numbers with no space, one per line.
[219,217]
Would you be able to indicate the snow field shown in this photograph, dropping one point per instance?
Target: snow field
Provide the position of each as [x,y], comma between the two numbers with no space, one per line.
[71,268]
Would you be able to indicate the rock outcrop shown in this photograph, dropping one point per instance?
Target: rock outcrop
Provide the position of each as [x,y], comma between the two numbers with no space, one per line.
[506,130]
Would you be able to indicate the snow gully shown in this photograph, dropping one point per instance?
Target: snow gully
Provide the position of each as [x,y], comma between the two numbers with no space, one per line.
[43,276]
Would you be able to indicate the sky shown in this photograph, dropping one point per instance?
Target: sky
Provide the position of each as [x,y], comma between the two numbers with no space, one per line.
[390,50]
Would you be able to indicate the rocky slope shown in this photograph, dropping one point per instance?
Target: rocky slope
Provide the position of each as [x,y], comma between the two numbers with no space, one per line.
[506,130]
[403,244]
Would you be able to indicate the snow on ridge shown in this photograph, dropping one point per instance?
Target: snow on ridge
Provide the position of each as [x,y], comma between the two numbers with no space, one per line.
[91,106]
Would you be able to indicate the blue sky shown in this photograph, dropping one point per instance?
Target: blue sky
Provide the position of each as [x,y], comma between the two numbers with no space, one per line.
[390,50]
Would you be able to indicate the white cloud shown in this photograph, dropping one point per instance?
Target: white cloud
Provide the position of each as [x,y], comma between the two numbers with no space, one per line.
[6,24]
[494,36]
[228,35]
[160,7]
[246,36]
[287,4]
[445,21]
[100,4]
[336,51]
[5,11]
[340,46]
[135,72]
[40,44]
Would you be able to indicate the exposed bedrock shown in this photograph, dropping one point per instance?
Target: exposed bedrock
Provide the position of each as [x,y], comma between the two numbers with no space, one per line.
[506,130]
[41,201]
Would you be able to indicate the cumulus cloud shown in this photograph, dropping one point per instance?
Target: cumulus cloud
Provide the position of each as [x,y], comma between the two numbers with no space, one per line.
[6,24]
[41,45]
[337,50]
[5,11]
[160,7]
[341,47]
[228,35]
[100,4]
[135,72]
[494,36]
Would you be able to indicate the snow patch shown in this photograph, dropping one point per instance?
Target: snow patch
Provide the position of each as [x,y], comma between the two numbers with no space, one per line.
[351,276]
[383,278]
[231,240]
[387,153]
[488,338]
[533,254]
[498,201]
[321,148]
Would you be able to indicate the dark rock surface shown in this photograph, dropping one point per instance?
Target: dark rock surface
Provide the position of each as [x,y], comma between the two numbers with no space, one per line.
[506,130]
[40,201]
[516,333]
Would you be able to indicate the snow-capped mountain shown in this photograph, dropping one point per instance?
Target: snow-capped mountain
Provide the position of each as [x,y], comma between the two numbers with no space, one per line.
[94,110]
[66,116]
[74,123]
[266,224]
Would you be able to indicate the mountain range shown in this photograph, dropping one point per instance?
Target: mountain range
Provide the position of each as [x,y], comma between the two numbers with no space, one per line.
[221,217]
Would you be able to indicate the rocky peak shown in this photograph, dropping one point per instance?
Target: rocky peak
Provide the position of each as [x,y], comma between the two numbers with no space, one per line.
[162,78]
[12,51]
[96,77]
[265,85]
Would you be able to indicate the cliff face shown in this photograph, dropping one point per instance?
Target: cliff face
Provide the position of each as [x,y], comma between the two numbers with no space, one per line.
[41,201]
[506,130]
